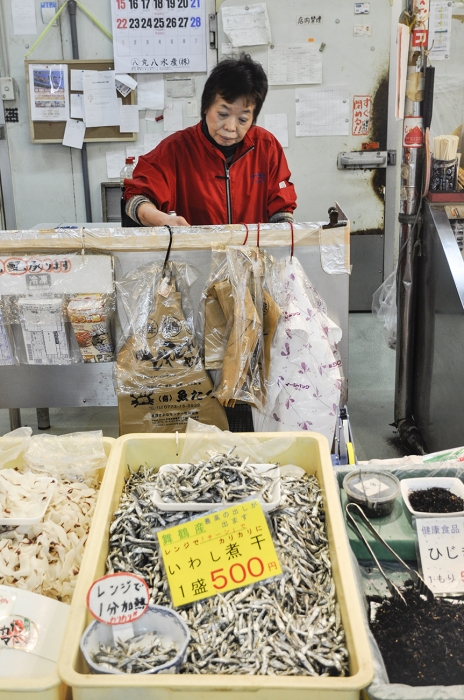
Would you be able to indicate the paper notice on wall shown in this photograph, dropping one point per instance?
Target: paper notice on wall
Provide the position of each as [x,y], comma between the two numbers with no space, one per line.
[323,112]
[180,87]
[129,119]
[247,25]
[277,124]
[150,141]
[229,51]
[74,133]
[76,80]
[294,65]
[150,91]
[124,83]
[440,30]
[24,20]
[101,105]
[173,116]
[115,161]
[77,105]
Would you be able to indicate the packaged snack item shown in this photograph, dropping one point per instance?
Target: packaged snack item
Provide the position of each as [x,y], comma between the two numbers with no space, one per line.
[44,332]
[88,314]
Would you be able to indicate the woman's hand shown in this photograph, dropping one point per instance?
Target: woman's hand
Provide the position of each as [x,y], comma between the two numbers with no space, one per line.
[149,215]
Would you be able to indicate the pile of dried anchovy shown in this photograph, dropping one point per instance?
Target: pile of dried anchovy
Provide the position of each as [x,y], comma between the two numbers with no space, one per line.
[285,626]
[222,479]
[138,654]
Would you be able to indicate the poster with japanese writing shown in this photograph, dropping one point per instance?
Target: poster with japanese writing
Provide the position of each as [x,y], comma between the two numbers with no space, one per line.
[218,552]
[442,553]
[159,36]
[361,115]
[48,92]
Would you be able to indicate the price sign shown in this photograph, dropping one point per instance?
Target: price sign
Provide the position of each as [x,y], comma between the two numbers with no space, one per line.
[442,553]
[218,552]
[119,598]
[159,36]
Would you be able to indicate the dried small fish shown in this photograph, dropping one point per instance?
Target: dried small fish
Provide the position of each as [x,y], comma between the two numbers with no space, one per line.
[221,479]
[139,654]
[290,625]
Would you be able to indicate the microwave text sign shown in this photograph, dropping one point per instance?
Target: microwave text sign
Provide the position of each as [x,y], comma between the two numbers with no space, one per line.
[118,598]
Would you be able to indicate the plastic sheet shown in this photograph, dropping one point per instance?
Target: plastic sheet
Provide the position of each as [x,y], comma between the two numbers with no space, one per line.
[13,444]
[384,308]
[74,457]
[160,377]
[305,378]
[200,439]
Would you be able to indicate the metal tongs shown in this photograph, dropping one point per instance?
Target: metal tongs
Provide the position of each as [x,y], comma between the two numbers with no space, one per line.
[394,590]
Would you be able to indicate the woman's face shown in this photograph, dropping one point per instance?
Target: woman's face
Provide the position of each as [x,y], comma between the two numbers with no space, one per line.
[228,122]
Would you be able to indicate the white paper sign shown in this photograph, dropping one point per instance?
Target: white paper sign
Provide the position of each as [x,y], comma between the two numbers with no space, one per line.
[247,25]
[76,80]
[440,19]
[68,273]
[115,161]
[322,112]
[24,21]
[441,549]
[118,598]
[129,119]
[173,116]
[159,36]
[48,87]
[74,133]
[294,65]
[77,105]
[124,83]
[150,91]
[48,11]
[277,124]
[180,87]
[150,141]
[101,107]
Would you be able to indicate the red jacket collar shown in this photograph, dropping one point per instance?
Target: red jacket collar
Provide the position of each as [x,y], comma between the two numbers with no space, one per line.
[241,148]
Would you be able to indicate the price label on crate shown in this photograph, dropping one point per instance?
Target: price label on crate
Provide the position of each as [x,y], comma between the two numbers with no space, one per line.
[117,599]
[159,36]
[218,552]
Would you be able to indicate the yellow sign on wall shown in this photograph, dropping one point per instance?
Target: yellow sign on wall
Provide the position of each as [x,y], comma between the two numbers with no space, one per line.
[217,552]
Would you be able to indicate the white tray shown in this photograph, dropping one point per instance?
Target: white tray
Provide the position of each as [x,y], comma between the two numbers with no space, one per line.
[444,482]
[38,512]
[194,506]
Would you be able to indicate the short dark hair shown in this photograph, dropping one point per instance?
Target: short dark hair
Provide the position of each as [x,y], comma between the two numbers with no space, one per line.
[233,78]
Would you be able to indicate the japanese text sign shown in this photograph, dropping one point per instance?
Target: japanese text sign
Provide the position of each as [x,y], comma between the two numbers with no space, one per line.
[159,36]
[361,115]
[442,553]
[218,552]
[118,598]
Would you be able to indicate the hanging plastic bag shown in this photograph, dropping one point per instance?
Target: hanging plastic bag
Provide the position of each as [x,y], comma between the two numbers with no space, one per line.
[160,377]
[305,378]
[384,308]
[91,317]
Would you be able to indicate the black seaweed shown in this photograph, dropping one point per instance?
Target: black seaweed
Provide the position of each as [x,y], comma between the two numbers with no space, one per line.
[422,643]
[435,500]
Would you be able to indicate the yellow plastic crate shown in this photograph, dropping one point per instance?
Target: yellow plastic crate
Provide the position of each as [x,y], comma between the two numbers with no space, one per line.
[309,451]
[47,687]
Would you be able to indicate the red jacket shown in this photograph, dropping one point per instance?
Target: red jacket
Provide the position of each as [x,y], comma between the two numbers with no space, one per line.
[187,174]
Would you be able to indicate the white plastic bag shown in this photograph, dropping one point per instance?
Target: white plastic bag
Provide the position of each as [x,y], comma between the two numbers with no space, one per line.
[384,308]
[13,444]
[76,456]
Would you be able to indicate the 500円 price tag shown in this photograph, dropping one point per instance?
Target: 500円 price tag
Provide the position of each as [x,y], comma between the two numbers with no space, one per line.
[218,552]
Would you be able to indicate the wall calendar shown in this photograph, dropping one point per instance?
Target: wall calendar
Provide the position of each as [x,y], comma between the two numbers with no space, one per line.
[159,36]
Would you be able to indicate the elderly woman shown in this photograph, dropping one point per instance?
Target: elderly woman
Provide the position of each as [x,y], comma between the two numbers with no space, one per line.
[224,170]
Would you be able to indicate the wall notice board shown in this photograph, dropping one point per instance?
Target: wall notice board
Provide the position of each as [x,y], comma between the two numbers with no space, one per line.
[53,131]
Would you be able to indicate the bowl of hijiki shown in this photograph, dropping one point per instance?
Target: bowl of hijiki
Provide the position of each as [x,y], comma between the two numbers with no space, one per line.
[156,643]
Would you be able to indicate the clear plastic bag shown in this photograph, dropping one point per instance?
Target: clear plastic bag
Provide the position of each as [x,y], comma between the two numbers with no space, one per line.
[12,445]
[240,317]
[6,339]
[160,377]
[42,333]
[384,308]
[200,439]
[75,456]
[305,381]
